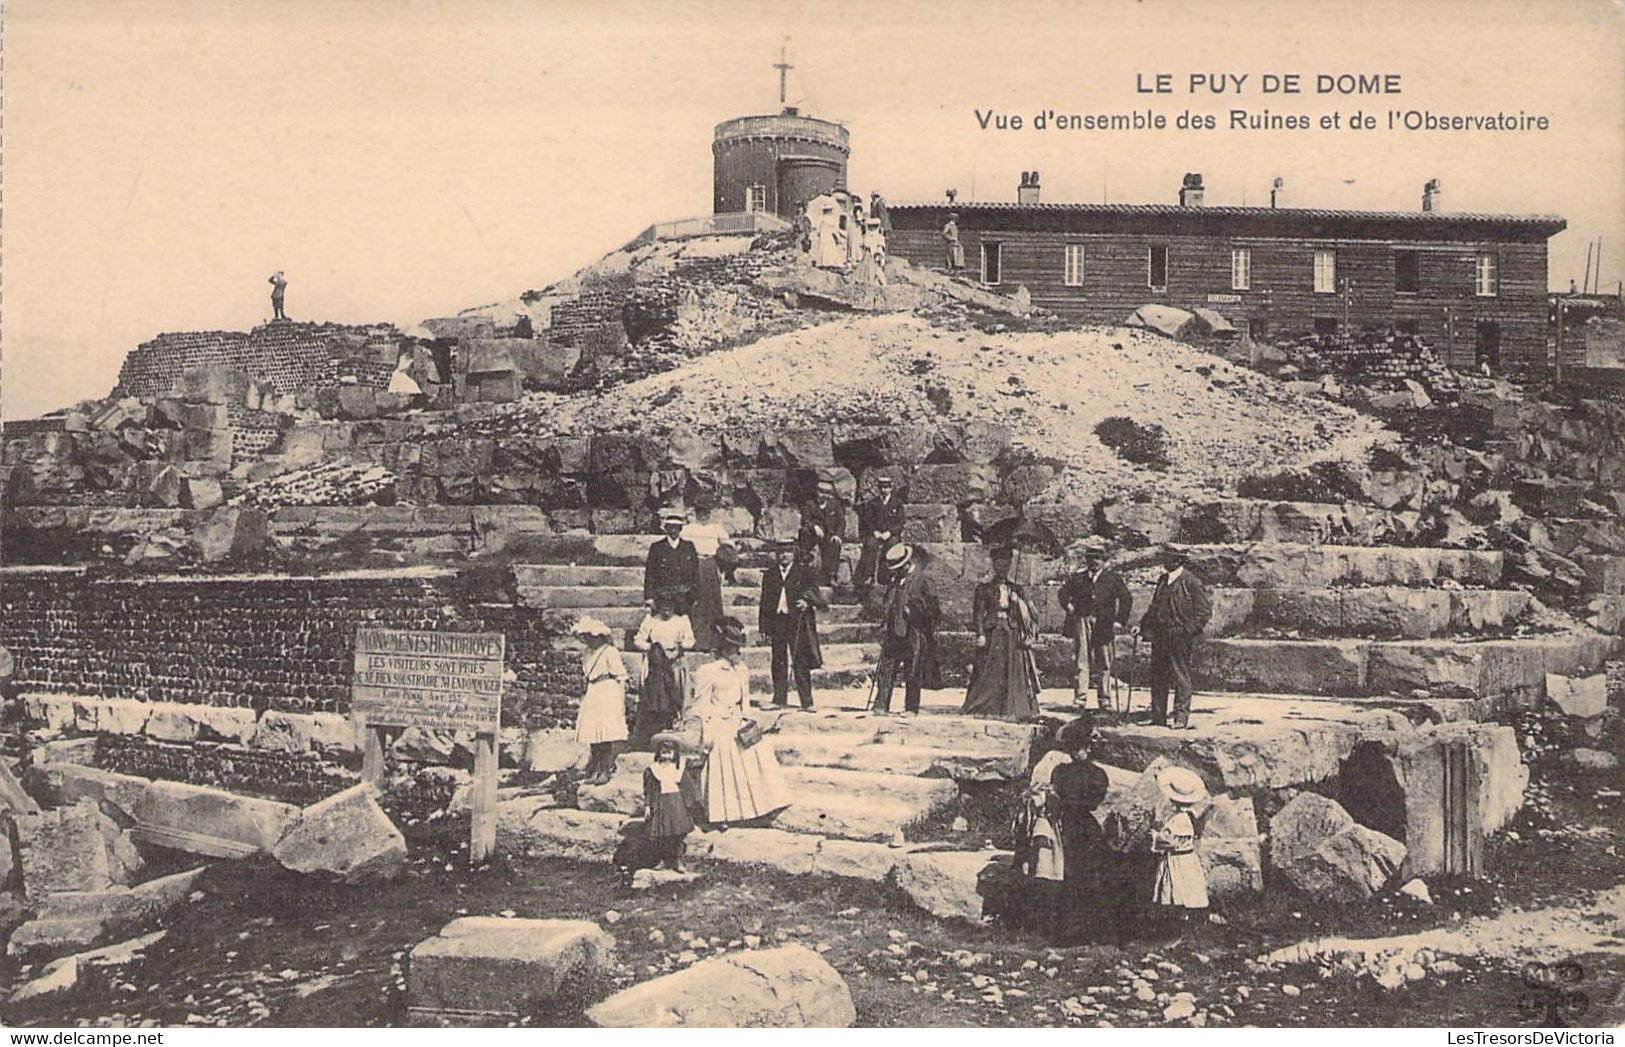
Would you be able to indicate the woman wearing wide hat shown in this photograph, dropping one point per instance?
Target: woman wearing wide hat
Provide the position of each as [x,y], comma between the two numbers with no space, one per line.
[743,780]
[1004,682]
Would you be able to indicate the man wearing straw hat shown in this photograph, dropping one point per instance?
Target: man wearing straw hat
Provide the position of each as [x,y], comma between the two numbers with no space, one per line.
[908,632]
[673,563]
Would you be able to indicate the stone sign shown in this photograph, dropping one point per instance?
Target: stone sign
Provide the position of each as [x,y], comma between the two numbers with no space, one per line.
[446,681]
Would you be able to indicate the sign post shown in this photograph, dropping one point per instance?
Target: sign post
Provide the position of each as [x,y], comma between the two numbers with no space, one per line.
[436,680]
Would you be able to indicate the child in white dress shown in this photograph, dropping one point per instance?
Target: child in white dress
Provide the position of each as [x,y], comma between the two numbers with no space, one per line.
[601,718]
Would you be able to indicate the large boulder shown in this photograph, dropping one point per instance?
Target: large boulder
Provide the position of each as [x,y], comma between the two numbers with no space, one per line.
[63,850]
[1584,697]
[483,967]
[233,533]
[1228,845]
[346,836]
[1318,848]
[790,987]
[953,884]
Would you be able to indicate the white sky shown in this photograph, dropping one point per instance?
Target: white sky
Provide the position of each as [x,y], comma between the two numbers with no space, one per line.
[407,159]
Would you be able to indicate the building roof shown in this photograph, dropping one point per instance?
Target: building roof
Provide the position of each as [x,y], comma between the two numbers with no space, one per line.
[1292,217]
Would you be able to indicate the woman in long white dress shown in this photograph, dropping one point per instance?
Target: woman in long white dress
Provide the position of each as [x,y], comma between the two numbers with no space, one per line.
[740,784]
[717,558]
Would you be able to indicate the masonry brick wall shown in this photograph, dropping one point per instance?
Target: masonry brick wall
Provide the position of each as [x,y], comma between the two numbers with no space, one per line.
[266,642]
[289,357]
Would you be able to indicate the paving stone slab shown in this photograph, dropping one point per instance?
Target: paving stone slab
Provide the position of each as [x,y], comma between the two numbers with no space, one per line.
[481,969]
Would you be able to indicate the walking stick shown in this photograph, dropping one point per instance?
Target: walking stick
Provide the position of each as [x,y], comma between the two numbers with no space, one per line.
[1134,668]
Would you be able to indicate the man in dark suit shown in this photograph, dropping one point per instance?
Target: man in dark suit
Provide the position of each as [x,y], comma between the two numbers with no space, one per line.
[1097,603]
[881,520]
[1179,611]
[908,632]
[673,563]
[822,525]
[788,618]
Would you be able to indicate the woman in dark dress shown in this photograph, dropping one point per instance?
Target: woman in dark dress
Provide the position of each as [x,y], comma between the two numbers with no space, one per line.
[1004,682]
[1060,847]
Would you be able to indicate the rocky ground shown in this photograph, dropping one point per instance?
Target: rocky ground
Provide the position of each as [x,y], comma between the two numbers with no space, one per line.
[1050,388]
[259,945]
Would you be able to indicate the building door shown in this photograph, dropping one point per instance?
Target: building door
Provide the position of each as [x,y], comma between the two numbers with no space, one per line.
[1488,345]
[992,262]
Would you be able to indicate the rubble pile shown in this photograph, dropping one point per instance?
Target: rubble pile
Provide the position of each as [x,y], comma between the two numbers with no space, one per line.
[1377,358]
[1049,389]
[329,483]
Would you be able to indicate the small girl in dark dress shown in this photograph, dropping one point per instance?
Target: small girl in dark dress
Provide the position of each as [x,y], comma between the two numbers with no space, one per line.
[667,822]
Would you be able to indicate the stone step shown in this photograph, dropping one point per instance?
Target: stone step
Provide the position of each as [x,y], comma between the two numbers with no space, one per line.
[837,656]
[840,714]
[573,596]
[991,762]
[1511,671]
[1276,565]
[851,805]
[629,576]
[838,623]
[1383,612]
[533,825]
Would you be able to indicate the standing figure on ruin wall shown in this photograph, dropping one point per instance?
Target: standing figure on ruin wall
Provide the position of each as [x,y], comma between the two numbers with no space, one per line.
[828,240]
[718,558]
[954,250]
[878,212]
[823,524]
[279,290]
[1004,681]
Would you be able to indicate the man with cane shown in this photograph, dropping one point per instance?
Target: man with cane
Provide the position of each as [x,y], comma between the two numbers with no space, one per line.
[908,632]
[1097,603]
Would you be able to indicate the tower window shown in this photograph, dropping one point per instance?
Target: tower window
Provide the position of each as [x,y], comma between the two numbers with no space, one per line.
[756,198]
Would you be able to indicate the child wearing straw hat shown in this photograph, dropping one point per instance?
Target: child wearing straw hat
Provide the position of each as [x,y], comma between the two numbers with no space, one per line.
[601,717]
[1181,884]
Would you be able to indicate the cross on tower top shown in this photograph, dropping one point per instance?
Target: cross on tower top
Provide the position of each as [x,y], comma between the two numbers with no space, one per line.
[783,66]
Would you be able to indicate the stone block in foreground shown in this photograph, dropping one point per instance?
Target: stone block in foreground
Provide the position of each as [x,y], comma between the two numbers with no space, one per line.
[346,836]
[790,987]
[953,884]
[485,968]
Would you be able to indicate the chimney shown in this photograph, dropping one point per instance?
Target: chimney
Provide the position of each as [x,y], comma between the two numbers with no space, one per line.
[1430,195]
[1027,193]
[1190,193]
[1275,191]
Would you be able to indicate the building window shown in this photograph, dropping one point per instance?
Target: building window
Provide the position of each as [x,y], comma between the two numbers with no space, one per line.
[1488,281]
[1157,267]
[1241,268]
[1325,271]
[992,262]
[1405,270]
[1072,267]
[1326,326]
[756,198]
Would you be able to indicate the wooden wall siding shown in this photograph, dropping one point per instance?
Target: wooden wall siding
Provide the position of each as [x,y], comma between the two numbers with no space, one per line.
[1281,295]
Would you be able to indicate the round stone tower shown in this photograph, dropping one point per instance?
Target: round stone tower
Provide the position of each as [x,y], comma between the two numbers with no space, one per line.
[774,163]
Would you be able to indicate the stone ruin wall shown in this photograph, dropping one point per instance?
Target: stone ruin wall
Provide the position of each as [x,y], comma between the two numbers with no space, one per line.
[288,357]
[257,642]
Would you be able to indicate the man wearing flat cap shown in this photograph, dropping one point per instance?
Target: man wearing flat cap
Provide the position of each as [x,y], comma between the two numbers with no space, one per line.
[673,564]
[822,524]
[908,632]
[1179,611]
[1097,603]
[788,618]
